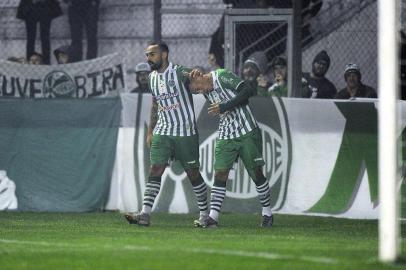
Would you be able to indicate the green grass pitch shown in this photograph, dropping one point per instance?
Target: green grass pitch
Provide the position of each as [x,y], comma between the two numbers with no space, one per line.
[107,241]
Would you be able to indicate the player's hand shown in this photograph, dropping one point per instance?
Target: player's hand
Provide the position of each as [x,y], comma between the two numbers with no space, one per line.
[262,81]
[195,73]
[214,109]
[279,79]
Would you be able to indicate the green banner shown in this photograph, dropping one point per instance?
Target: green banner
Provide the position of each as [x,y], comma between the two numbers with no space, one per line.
[59,152]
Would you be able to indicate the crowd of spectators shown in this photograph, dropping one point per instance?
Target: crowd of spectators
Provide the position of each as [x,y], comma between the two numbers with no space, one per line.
[82,16]
[268,71]
[273,81]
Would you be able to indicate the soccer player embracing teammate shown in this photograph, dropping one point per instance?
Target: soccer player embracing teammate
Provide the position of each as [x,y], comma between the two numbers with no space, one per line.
[239,136]
[172,131]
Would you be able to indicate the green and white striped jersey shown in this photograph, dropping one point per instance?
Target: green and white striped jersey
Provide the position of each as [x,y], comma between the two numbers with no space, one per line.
[176,116]
[238,121]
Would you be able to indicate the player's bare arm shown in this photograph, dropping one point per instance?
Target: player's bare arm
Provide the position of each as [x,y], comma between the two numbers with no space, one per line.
[153,119]
[214,109]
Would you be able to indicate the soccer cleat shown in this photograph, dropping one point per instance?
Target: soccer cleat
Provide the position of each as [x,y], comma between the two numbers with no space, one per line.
[210,223]
[201,221]
[267,221]
[141,219]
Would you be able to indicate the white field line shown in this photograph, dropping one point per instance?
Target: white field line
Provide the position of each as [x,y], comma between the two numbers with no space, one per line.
[236,253]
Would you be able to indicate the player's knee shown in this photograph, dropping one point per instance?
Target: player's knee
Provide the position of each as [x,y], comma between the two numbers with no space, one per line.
[221,175]
[193,174]
[157,170]
[256,174]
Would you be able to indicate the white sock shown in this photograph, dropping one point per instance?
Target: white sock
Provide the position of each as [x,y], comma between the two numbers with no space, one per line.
[266,211]
[203,213]
[146,209]
[214,215]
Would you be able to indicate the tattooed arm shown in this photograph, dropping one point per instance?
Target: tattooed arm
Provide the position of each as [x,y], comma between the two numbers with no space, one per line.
[153,119]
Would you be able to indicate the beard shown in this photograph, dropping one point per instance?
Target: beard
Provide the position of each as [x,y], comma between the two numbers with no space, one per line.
[155,66]
[319,72]
[250,76]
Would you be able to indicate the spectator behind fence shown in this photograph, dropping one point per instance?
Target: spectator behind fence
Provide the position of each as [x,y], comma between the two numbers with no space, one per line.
[36,59]
[279,71]
[355,88]
[280,79]
[319,85]
[63,54]
[254,70]
[40,12]
[83,15]
[142,71]
[212,60]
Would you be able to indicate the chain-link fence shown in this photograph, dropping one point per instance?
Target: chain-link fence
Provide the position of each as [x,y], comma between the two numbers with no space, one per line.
[345,29]
[119,26]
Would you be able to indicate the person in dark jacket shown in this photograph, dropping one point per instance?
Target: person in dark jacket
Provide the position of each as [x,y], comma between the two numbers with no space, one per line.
[40,12]
[83,15]
[142,71]
[355,88]
[319,85]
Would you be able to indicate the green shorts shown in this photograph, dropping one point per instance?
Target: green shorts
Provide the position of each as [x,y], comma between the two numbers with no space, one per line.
[248,147]
[185,149]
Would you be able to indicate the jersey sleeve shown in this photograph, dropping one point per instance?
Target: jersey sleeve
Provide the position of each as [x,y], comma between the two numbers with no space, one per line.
[245,90]
[150,87]
[229,79]
[183,73]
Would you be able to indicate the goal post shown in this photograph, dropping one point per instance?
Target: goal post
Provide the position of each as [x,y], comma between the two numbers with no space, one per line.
[388,78]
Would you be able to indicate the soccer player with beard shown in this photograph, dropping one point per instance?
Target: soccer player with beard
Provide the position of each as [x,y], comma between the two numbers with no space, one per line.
[239,136]
[172,131]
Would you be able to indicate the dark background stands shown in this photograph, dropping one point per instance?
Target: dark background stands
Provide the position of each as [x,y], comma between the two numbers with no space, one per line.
[40,12]
[402,65]
[310,8]
[83,17]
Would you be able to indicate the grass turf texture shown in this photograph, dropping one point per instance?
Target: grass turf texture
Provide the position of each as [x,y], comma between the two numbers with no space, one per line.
[107,241]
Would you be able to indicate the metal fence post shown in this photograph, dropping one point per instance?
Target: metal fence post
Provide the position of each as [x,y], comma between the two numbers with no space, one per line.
[296,65]
[157,20]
